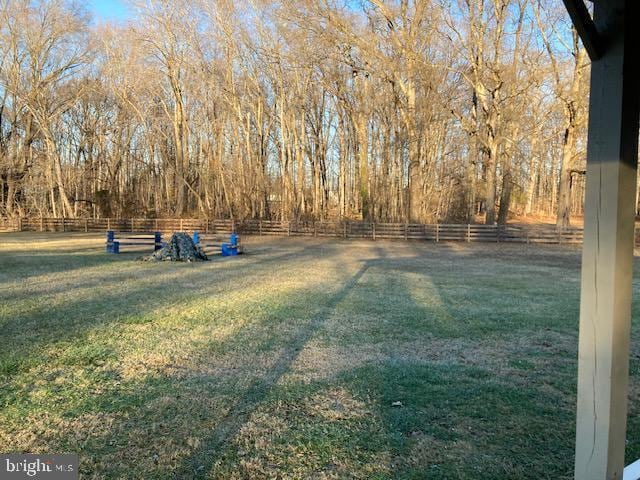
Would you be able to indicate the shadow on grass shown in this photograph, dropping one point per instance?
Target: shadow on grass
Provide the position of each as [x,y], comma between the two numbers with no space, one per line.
[201,461]
[121,268]
[455,421]
[509,295]
[23,266]
[26,334]
[193,404]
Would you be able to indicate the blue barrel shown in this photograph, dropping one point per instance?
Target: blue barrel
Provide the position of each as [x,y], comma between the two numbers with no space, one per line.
[111,235]
[196,238]
[234,239]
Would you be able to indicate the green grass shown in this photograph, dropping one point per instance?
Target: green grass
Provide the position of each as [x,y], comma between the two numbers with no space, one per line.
[289,362]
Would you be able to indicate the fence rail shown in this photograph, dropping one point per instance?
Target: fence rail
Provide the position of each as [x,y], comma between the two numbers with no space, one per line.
[87,225]
[339,229]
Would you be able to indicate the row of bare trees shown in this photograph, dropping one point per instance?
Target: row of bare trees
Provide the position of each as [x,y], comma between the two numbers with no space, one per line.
[389,110]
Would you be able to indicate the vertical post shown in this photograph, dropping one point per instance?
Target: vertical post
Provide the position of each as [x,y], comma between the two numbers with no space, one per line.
[373,231]
[20,224]
[344,226]
[260,227]
[607,255]
[437,232]
[63,225]
[86,225]
[406,231]
[41,223]
[108,224]
[315,229]
[468,233]
[289,228]
[155,224]
[181,225]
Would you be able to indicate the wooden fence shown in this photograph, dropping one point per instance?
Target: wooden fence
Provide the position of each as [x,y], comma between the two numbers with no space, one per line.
[88,225]
[338,229]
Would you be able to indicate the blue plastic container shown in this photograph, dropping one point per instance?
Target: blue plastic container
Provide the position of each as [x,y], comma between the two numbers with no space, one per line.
[229,250]
[111,235]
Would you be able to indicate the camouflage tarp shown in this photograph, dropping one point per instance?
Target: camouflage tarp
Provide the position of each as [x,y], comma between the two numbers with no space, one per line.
[179,249]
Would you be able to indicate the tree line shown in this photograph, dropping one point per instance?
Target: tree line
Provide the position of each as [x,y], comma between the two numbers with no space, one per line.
[385,110]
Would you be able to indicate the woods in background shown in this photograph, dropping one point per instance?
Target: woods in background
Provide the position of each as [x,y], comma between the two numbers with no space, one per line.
[385,110]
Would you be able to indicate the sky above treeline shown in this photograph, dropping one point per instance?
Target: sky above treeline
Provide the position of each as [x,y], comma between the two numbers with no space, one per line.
[113,10]
[117,10]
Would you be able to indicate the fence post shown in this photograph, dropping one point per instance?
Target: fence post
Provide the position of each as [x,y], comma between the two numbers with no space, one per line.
[406,231]
[344,232]
[260,227]
[289,228]
[206,225]
[437,232]
[19,224]
[468,233]
[315,229]
[86,225]
[373,227]
[63,225]
[41,223]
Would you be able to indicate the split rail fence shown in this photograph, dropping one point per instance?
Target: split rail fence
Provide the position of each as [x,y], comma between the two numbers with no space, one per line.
[337,229]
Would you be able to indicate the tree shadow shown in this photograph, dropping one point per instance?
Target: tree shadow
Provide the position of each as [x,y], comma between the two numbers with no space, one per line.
[201,461]
[179,398]
[458,421]
[28,331]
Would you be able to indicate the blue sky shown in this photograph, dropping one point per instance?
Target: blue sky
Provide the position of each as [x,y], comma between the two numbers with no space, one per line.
[108,10]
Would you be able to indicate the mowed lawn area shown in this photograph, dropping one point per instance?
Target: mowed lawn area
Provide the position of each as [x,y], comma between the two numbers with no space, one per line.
[304,358]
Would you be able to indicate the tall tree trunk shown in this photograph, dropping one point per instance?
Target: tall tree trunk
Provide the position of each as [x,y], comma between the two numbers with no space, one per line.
[363,163]
[492,167]
[505,197]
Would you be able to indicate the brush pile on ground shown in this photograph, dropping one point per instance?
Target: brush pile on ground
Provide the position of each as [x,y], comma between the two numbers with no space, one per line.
[179,249]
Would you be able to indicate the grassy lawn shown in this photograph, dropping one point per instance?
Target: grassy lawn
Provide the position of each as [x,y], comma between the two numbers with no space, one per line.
[301,359]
